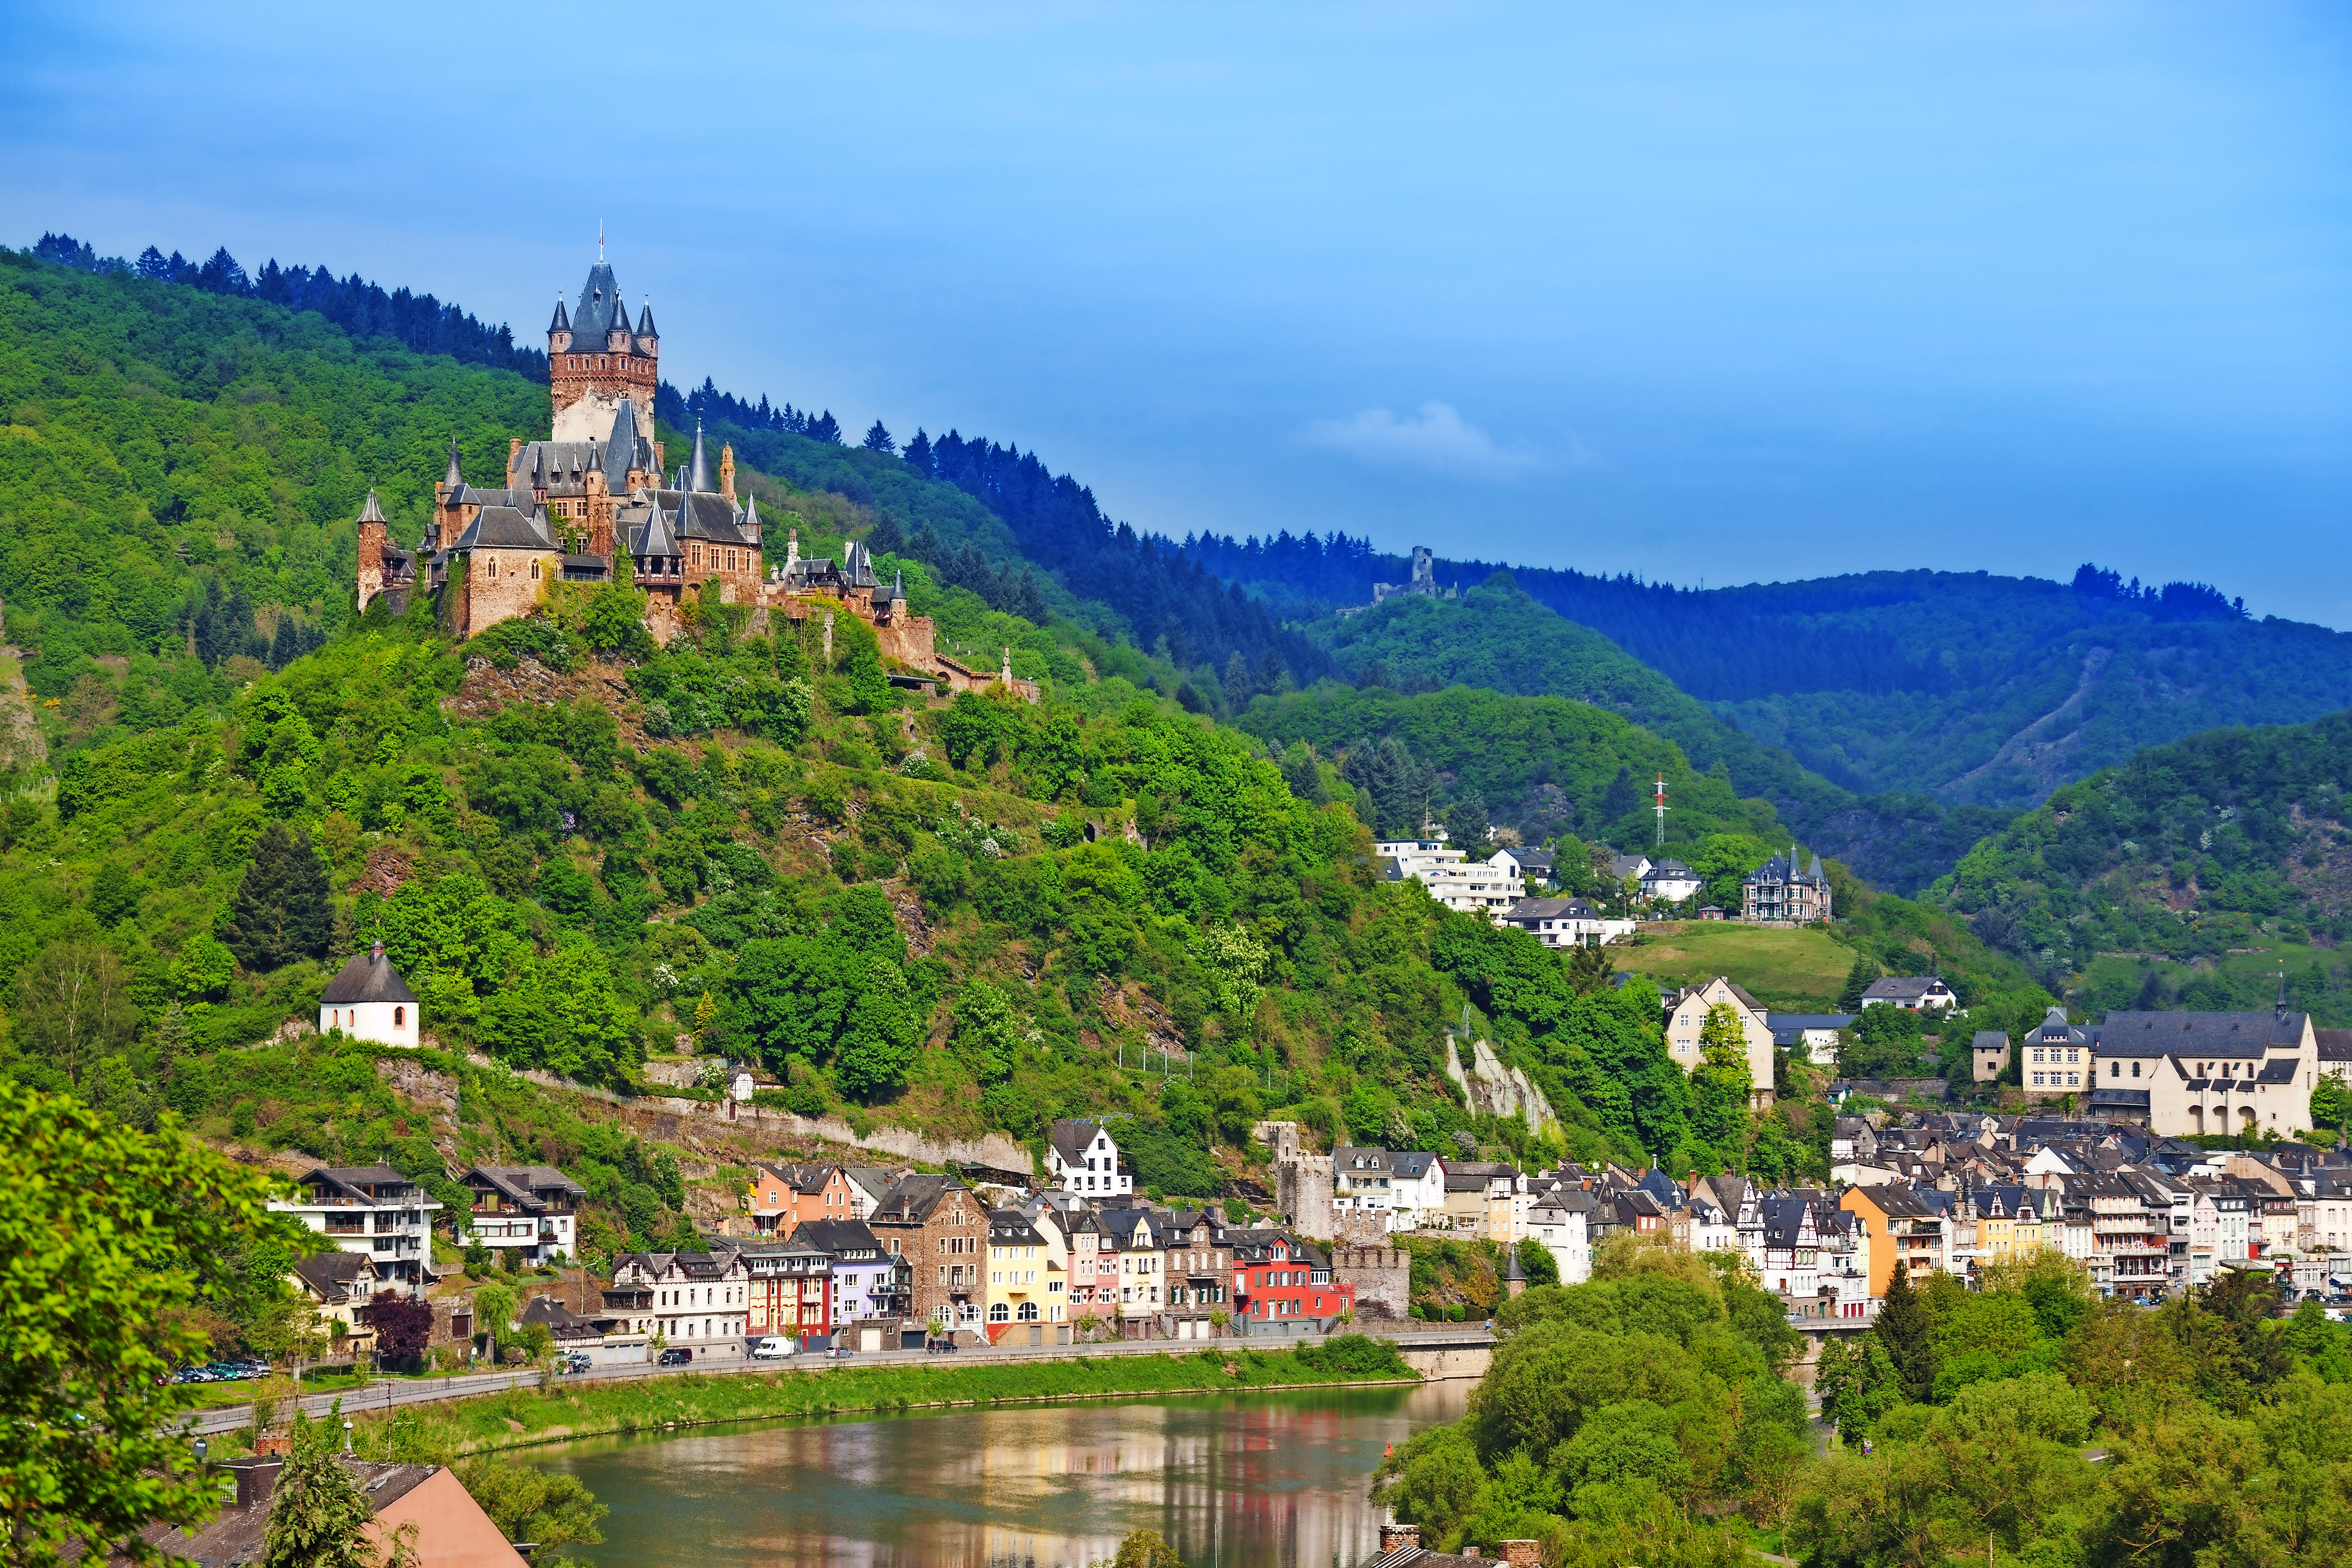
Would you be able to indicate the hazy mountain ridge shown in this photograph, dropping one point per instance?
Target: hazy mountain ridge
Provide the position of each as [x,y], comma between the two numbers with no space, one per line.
[1979,688]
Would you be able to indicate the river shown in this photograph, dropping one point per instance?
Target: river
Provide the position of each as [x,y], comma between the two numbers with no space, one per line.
[1242,1480]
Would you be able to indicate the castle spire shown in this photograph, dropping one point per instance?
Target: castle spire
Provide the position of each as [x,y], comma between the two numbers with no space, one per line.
[371,513]
[699,475]
[562,323]
[453,479]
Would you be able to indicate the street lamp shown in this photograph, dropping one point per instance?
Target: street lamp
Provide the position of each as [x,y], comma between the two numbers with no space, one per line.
[347,1435]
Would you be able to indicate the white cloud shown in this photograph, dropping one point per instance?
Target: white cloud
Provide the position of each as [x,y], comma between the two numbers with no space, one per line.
[1438,438]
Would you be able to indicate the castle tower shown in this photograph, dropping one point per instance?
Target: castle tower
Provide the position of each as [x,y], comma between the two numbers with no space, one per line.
[374,536]
[595,361]
[727,470]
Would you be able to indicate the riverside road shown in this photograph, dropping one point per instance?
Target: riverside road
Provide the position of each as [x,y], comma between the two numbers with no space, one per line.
[390,1392]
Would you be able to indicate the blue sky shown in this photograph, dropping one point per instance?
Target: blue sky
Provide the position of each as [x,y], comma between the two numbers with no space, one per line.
[1729,292]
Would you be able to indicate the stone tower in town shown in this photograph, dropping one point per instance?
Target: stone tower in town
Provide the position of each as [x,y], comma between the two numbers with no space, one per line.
[596,361]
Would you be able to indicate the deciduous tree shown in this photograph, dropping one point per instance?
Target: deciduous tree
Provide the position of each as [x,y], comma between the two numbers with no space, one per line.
[107,1237]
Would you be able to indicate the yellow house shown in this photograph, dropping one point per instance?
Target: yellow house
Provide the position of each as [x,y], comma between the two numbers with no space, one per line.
[2009,1224]
[1025,1283]
[1687,1018]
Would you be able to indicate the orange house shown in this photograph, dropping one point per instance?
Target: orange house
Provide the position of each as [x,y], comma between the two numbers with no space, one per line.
[781,1197]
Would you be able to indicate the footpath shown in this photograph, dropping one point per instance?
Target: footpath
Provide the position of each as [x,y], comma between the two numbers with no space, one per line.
[391,1393]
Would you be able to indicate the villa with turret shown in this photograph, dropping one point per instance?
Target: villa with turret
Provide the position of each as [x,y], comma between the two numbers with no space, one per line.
[595,503]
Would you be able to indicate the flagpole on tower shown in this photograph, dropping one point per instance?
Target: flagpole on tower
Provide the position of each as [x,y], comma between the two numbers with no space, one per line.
[599,240]
[1662,809]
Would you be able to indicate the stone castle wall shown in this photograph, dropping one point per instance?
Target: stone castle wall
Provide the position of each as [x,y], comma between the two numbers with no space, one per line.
[1380,1273]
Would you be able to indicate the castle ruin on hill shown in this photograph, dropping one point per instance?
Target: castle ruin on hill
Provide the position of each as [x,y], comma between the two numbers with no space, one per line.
[595,503]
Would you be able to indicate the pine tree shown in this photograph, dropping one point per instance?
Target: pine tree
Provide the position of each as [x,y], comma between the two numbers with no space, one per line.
[1857,981]
[318,1518]
[1903,1327]
[877,439]
[281,912]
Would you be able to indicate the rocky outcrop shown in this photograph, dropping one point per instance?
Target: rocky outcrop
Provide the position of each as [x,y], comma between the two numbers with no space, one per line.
[1494,1089]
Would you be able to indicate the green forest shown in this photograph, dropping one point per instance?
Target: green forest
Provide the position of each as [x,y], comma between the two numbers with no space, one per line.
[1499,638]
[1967,685]
[1644,1417]
[2227,843]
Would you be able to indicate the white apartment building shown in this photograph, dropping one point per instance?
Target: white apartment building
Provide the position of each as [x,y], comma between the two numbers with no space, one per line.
[1564,923]
[1452,879]
[1408,1186]
[372,1210]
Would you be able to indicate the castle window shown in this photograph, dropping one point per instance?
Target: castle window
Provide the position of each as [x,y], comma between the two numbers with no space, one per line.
[534,571]
[491,567]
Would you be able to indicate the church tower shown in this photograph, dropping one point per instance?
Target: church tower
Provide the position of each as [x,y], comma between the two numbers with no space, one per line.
[596,361]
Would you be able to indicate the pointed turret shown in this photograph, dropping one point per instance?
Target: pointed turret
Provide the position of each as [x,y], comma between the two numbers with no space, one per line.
[371,512]
[750,522]
[698,477]
[453,479]
[660,540]
[645,322]
[562,323]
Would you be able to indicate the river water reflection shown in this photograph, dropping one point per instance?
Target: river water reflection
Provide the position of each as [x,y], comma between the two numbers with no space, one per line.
[1242,1480]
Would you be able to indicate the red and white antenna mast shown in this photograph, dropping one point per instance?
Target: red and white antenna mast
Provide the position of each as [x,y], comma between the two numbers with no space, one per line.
[1662,808]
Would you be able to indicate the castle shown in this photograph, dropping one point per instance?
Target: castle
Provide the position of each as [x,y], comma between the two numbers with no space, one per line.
[593,503]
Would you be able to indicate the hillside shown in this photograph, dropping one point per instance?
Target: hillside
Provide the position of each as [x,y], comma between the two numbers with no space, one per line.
[1978,688]
[1553,769]
[1499,638]
[2183,877]
[585,853]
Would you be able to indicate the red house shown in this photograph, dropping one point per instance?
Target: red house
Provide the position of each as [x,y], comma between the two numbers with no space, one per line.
[1277,1276]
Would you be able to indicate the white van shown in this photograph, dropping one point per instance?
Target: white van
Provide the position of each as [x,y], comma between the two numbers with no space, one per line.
[775,1347]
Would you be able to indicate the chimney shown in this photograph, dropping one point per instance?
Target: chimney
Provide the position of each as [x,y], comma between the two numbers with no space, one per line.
[256,1480]
[1523,1554]
[1395,1535]
[375,952]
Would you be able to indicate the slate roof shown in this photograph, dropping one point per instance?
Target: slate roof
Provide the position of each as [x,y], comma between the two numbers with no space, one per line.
[600,299]
[506,528]
[705,515]
[1902,988]
[236,1534]
[840,1238]
[651,535]
[799,1178]
[1073,1136]
[2335,1045]
[1010,1227]
[2226,1034]
[332,1275]
[1550,910]
[1780,868]
[911,1201]
[367,977]
[525,1183]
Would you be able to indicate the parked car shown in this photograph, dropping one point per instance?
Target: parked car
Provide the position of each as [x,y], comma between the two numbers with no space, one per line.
[838,1353]
[577,1362]
[676,1355]
[775,1347]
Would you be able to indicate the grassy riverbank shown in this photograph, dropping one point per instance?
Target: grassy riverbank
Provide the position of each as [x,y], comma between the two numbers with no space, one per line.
[519,1419]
